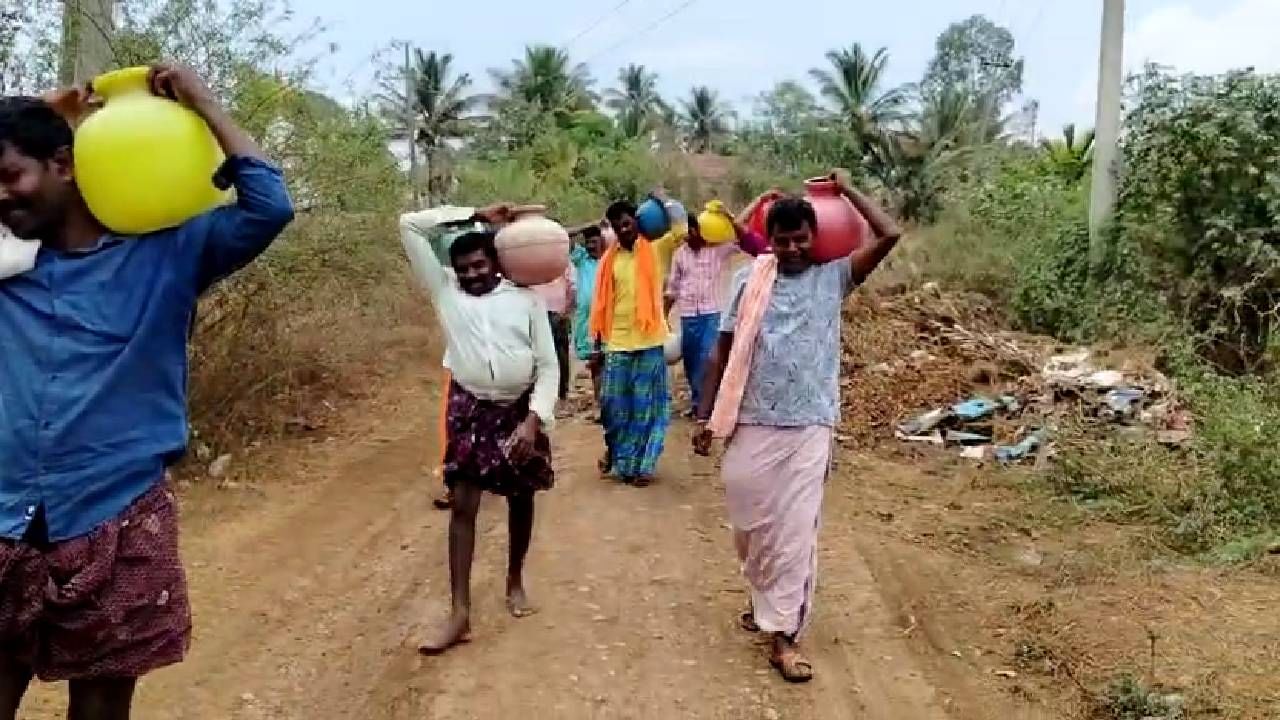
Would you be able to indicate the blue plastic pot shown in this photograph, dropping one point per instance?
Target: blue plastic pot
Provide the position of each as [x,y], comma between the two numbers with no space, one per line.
[652,220]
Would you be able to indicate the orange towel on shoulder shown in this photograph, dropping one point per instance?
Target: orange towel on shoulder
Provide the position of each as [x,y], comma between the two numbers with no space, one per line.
[648,304]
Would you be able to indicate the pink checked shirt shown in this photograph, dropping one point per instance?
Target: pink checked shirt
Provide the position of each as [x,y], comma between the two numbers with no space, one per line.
[557,295]
[695,277]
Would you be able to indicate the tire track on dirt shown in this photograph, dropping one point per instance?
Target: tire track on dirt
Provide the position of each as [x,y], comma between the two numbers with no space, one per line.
[311,594]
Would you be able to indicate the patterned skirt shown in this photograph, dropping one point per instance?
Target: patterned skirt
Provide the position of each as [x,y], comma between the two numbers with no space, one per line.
[478,436]
[635,406]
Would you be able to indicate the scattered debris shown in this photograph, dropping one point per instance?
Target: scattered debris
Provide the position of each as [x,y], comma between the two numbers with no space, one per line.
[218,468]
[1028,445]
[1011,430]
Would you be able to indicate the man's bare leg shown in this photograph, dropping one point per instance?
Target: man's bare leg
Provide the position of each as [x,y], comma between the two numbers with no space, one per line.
[101,699]
[520,527]
[462,547]
[14,679]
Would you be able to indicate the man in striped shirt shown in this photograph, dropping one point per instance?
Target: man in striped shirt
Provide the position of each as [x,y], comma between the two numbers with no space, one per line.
[693,287]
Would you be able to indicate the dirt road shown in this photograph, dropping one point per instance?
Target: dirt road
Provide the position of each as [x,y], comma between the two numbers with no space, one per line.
[313,579]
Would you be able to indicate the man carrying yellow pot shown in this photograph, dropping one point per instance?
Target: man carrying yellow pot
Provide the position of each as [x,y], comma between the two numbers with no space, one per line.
[93,403]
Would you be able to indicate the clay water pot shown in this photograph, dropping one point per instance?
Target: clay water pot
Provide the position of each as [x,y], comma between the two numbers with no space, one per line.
[534,249]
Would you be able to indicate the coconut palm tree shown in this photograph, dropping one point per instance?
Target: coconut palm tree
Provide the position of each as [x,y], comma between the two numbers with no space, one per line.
[912,161]
[853,87]
[705,118]
[546,79]
[1070,156]
[635,102]
[440,107]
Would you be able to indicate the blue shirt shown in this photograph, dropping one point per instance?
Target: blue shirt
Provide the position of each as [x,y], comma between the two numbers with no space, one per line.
[93,358]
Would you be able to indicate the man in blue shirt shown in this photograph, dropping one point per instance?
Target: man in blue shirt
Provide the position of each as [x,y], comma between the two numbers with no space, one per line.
[93,374]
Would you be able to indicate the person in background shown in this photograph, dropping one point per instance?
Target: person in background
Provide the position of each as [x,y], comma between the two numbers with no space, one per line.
[693,287]
[93,403]
[502,397]
[665,245]
[558,296]
[585,257]
[629,329]
[772,389]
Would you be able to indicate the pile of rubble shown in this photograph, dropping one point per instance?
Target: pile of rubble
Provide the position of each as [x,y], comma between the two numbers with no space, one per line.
[1020,425]
[935,367]
[905,351]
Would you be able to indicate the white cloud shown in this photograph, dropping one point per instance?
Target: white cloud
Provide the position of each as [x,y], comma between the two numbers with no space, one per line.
[1235,35]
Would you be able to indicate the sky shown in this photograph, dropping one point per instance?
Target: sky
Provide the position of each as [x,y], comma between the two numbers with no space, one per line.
[743,47]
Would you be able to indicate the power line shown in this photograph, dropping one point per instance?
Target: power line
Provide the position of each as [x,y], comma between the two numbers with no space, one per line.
[632,36]
[595,24]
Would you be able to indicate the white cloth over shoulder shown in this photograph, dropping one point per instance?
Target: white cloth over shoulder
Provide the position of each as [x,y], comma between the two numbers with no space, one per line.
[499,344]
[16,255]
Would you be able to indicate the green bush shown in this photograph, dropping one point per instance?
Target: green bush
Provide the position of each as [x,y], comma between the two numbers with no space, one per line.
[1200,197]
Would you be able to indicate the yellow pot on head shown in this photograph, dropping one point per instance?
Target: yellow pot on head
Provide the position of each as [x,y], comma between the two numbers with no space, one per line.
[715,227]
[145,163]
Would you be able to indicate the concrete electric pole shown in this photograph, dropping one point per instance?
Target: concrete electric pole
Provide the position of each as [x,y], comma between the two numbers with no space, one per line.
[411,125]
[88,33]
[1107,126]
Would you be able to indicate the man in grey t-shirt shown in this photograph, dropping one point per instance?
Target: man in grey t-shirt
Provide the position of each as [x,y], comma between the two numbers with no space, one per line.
[779,450]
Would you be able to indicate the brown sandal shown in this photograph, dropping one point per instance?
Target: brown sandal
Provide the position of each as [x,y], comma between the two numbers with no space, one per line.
[747,621]
[793,667]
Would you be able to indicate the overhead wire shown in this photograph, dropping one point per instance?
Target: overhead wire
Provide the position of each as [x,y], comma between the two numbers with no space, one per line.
[599,21]
[643,31]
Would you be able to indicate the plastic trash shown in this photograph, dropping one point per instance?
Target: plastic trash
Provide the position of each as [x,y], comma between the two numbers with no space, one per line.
[961,437]
[922,424]
[1013,453]
[1123,401]
[974,409]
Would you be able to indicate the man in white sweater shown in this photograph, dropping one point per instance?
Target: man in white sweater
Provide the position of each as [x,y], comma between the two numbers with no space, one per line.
[502,396]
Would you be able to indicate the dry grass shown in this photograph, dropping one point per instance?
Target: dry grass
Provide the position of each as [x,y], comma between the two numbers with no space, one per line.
[281,346]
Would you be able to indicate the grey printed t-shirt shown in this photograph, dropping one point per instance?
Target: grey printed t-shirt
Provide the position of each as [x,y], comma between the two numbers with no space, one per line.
[794,376]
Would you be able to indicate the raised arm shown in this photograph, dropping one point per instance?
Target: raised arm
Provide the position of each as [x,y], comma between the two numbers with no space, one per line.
[885,231]
[228,238]
[745,215]
[745,239]
[416,229]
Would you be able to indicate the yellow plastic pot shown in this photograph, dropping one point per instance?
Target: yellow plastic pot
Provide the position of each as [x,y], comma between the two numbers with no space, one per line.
[716,228]
[144,163]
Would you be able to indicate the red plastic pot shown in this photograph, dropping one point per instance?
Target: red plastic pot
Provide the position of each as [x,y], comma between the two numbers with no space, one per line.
[841,228]
[756,219]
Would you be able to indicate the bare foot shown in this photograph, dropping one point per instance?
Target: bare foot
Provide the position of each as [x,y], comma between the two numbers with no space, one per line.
[455,632]
[518,603]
